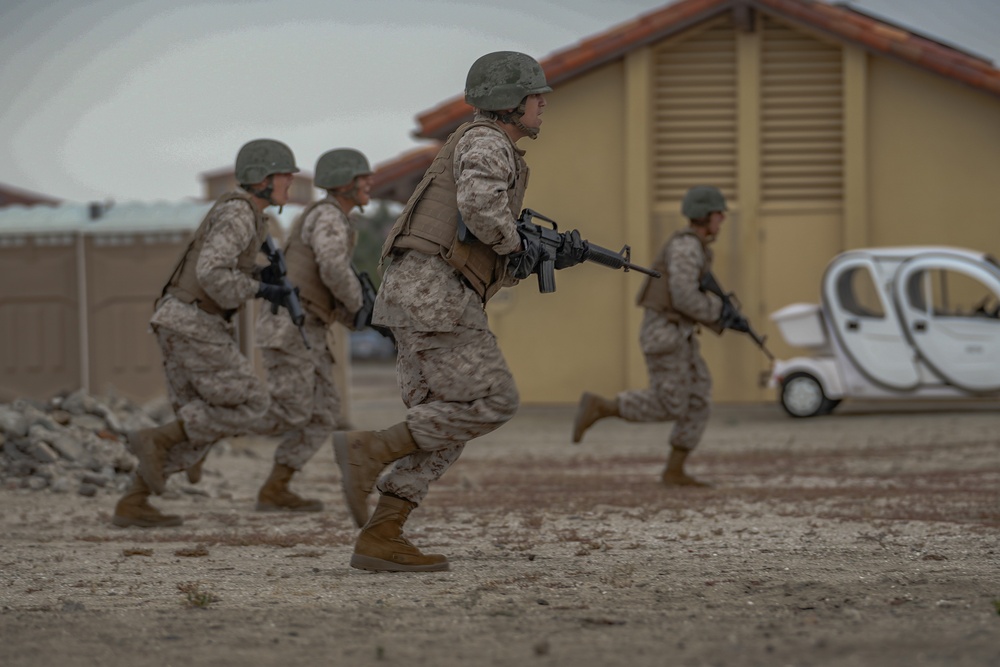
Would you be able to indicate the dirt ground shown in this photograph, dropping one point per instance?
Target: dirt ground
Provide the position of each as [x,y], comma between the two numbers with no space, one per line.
[869,537]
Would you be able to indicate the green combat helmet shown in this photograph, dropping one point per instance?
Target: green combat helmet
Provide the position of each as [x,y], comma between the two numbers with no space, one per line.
[261,158]
[339,167]
[701,201]
[502,79]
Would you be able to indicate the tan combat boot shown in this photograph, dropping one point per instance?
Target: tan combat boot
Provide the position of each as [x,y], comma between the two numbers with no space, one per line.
[592,407]
[134,509]
[194,472]
[362,456]
[381,546]
[674,474]
[275,496]
[150,446]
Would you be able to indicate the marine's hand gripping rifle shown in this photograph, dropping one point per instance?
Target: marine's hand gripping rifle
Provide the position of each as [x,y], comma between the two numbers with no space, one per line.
[561,250]
[732,318]
[277,274]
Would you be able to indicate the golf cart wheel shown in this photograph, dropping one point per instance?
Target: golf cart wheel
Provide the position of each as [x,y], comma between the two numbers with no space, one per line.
[802,396]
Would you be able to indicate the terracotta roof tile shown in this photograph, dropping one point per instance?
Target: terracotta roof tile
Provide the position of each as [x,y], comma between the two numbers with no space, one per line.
[840,22]
[888,39]
[10,195]
[586,55]
[390,177]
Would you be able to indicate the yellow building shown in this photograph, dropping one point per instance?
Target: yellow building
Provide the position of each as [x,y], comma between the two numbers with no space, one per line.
[826,129]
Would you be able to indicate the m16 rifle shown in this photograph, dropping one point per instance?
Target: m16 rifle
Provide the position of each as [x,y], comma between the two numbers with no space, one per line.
[547,249]
[276,273]
[363,318]
[564,249]
[732,318]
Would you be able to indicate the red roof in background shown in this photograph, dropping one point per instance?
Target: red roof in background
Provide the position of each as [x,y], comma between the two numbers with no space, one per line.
[840,22]
[11,195]
[397,178]
[416,160]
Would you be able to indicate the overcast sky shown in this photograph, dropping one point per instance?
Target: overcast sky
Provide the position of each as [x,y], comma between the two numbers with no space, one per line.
[132,99]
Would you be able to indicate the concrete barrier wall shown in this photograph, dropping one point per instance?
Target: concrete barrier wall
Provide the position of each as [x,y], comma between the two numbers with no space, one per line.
[77,292]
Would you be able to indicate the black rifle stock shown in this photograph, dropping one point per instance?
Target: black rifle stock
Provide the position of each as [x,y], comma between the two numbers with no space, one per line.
[551,239]
[710,284]
[279,273]
[363,318]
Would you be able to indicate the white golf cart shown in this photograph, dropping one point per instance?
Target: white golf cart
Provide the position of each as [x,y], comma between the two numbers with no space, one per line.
[905,322]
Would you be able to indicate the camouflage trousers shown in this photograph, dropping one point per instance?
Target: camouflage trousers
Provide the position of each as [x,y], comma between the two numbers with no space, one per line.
[305,402]
[457,387]
[680,389]
[213,390]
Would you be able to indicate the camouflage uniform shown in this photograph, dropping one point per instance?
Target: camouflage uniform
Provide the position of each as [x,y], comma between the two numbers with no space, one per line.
[305,402]
[452,375]
[212,386]
[679,382]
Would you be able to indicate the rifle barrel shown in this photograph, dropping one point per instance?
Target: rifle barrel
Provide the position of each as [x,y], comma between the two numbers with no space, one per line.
[614,260]
[643,269]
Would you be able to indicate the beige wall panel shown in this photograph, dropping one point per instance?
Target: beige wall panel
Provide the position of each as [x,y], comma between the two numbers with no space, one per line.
[934,160]
[39,344]
[124,277]
[560,344]
[794,259]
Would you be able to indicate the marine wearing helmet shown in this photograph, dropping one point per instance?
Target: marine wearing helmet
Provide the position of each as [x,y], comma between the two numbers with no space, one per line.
[338,173]
[258,162]
[499,83]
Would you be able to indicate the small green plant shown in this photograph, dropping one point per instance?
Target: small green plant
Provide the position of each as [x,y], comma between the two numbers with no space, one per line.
[195,596]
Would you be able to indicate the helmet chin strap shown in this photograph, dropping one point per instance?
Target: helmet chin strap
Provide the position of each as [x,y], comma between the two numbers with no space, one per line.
[706,235]
[351,195]
[266,192]
[514,118]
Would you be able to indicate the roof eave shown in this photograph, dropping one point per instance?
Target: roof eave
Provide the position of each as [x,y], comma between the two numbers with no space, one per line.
[925,53]
[588,55]
[840,23]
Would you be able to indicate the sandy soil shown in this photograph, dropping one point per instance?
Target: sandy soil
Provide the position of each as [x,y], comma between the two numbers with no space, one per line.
[869,537]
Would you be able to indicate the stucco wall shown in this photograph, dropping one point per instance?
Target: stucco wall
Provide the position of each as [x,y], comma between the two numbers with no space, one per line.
[935,160]
[921,157]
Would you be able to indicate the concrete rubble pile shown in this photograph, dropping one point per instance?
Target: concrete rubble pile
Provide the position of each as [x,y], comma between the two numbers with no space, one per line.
[70,444]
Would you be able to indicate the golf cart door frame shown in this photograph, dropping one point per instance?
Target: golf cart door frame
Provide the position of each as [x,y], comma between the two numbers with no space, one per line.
[862,318]
[950,307]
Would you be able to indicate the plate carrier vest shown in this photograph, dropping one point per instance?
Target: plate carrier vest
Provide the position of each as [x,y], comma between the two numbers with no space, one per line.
[429,223]
[183,284]
[655,292]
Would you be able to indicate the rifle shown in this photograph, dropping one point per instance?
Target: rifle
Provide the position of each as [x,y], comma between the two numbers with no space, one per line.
[551,241]
[363,318]
[277,274]
[710,284]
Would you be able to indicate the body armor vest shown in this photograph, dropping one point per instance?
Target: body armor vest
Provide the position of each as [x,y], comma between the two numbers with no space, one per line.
[655,292]
[303,272]
[429,223]
[183,284]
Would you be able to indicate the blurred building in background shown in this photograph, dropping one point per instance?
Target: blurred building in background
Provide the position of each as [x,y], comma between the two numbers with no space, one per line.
[10,196]
[826,127]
